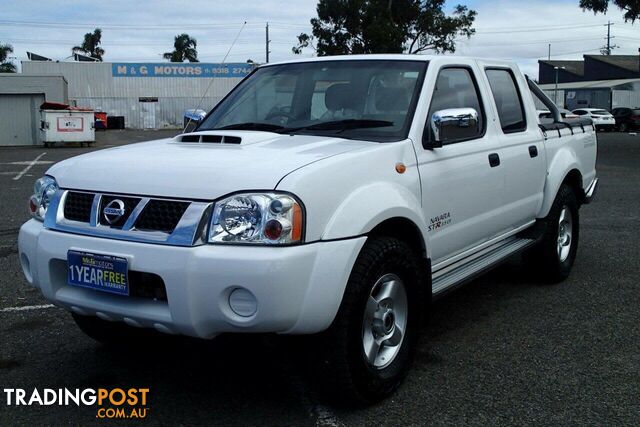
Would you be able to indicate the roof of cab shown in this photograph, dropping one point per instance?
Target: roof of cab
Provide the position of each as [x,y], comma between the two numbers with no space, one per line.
[388,56]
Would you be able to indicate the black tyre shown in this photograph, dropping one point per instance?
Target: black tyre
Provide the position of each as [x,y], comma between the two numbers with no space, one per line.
[114,333]
[554,255]
[623,127]
[369,348]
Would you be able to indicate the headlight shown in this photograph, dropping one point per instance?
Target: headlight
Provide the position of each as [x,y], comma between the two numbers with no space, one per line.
[257,218]
[43,191]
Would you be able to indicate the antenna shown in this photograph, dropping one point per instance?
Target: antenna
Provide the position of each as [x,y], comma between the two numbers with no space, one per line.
[211,81]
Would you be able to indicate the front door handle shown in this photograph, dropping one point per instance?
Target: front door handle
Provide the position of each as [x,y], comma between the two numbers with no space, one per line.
[533,151]
[494,160]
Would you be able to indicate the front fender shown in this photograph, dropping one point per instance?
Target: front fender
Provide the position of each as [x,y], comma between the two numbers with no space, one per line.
[363,210]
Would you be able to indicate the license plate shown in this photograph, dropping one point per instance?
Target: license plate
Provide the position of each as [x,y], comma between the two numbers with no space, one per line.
[105,273]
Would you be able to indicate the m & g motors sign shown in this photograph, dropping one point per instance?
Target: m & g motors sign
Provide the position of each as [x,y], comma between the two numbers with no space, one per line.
[169,69]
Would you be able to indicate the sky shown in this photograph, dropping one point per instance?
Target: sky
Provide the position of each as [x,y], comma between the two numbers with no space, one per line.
[141,31]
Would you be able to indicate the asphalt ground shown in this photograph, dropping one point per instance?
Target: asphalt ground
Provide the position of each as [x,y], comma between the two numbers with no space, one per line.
[503,350]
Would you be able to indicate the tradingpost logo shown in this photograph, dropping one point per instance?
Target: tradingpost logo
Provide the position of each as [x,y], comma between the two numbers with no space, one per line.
[114,403]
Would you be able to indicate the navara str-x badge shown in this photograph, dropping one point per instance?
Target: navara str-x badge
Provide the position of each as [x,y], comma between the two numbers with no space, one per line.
[113,211]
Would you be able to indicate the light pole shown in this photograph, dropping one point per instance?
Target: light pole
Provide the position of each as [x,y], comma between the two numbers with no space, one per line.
[555,91]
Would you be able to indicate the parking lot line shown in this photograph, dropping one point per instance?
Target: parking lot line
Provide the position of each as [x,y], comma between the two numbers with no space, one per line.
[29,166]
[26,308]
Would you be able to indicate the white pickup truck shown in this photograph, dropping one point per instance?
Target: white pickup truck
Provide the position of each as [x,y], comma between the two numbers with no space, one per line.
[332,196]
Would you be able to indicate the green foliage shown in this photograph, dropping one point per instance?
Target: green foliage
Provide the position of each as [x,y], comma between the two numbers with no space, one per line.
[91,45]
[5,65]
[631,8]
[385,26]
[184,49]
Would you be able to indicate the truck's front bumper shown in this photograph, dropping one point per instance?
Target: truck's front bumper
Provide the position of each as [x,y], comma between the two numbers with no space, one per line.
[297,289]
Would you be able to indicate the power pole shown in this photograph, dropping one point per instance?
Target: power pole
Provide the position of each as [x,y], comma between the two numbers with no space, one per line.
[549,57]
[555,90]
[266,43]
[607,49]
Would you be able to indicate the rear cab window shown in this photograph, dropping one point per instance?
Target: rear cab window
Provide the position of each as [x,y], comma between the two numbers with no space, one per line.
[507,99]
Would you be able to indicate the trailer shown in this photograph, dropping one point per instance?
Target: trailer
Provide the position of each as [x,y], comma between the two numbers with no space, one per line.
[70,124]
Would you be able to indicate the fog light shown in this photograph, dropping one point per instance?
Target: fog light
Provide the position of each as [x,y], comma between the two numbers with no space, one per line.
[242,302]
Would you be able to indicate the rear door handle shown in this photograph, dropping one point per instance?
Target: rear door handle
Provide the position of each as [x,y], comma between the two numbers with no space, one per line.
[533,151]
[494,160]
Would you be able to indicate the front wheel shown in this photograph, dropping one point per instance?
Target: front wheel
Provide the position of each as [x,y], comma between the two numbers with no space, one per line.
[370,345]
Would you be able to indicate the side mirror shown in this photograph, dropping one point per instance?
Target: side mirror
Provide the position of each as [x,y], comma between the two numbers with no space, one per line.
[190,126]
[192,119]
[451,124]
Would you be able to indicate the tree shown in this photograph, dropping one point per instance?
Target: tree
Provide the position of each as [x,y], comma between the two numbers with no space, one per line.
[91,45]
[184,49]
[631,8]
[6,66]
[385,26]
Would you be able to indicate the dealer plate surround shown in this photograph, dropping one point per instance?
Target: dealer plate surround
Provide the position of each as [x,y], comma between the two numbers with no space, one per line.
[107,273]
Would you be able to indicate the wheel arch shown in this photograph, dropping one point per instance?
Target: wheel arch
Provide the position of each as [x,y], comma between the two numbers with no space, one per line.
[403,229]
[563,170]
[574,180]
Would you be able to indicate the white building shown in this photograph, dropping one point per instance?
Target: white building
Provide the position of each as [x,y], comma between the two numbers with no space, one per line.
[148,95]
[605,94]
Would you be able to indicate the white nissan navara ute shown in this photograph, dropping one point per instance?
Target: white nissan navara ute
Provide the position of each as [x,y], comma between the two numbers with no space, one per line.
[333,196]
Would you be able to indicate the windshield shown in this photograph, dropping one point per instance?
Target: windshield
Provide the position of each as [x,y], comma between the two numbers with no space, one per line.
[358,99]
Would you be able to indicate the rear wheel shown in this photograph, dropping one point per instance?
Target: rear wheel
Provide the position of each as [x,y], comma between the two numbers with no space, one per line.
[554,255]
[369,347]
[623,127]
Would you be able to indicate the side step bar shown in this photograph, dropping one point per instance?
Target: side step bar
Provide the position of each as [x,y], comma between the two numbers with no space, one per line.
[468,268]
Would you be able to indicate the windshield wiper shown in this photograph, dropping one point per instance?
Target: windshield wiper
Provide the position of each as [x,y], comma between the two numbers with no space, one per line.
[338,125]
[268,127]
[341,125]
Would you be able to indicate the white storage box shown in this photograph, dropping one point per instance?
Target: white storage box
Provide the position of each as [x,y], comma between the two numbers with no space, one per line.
[71,125]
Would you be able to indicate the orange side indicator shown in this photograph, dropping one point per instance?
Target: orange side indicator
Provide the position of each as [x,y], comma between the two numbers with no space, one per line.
[401,168]
[296,226]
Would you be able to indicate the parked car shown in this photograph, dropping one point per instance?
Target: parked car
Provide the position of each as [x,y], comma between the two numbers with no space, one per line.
[546,116]
[602,119]
[333,196]
[626,118]
[566,114]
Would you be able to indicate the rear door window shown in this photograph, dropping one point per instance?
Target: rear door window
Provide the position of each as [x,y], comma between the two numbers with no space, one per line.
[508,100]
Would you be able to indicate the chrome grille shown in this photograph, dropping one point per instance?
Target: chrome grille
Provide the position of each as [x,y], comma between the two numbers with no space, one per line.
[130,204]
[78,206]
[161,215]
[145,219]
